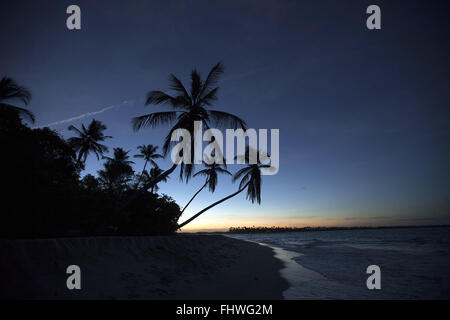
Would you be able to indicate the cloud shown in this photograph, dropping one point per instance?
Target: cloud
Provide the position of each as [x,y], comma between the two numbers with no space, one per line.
[85,115]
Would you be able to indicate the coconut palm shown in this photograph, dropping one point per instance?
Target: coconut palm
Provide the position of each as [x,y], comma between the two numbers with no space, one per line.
[211,174]
[154,173]
[117,170]
[187,107]
[250,179]
[88,140]
[10,90]
[120,156]
[148,153]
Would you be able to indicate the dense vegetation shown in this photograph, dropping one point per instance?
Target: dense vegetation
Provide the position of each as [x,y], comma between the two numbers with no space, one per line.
[46,195]
[43,195]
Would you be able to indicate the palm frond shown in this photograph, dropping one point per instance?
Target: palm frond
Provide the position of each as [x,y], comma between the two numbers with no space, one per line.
[244,180]
[177,85]
[160,97]
[20,111]
[226,120]
[241,172]
[213,76]
[153,119]
[73,128]
[224,171]
[196,84]
[9,89]
[204,172]
[209,97]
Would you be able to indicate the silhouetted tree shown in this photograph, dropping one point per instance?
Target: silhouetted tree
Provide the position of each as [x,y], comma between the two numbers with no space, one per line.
[90,183]
[40,179]
[117,171]
[187,107]
[250,179]
[10,90]
[148,153]
[44,196]
[151,214]
[210,172]
[88,140]
[153,174]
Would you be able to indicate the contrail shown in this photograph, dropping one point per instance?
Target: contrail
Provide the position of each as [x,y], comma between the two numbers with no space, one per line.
[84,115]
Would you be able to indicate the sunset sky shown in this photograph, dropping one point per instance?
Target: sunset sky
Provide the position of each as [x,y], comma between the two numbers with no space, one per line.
[363,115]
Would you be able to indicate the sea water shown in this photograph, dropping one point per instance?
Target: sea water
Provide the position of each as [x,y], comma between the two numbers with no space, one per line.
[414,262]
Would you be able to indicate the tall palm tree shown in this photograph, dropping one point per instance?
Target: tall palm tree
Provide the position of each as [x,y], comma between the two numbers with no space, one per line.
[251,180]
[148,153]
[88,140]
[211,173]
[10,90]
[187,107]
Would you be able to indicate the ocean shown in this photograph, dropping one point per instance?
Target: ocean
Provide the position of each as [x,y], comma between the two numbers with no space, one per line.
[414,262]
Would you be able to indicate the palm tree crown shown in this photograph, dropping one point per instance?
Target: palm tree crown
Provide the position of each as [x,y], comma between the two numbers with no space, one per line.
[187,107]
[251,177]
[117,170]
[10,90]
[251,180]
[120,156]
[88,140]
[211,173]
[148,153]
[154,173]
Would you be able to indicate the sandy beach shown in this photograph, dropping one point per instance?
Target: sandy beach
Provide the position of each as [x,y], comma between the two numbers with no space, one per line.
[163,267]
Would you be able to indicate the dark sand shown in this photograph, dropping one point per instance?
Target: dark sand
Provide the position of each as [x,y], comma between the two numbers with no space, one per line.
[172,267]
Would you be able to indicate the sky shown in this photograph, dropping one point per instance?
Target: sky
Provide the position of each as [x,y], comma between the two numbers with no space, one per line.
[363,114]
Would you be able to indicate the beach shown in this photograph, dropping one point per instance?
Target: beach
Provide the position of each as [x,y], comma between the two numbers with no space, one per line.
[186,267]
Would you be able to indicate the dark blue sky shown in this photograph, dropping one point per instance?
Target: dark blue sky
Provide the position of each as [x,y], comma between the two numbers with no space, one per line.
[363,115]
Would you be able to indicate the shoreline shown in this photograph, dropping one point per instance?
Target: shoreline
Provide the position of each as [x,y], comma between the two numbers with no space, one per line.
[294,273]
[180,267]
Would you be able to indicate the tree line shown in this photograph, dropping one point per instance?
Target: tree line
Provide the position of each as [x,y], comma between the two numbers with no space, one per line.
[47,196]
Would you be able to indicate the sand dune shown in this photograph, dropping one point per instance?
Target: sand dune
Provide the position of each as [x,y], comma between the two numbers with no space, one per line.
[172,267]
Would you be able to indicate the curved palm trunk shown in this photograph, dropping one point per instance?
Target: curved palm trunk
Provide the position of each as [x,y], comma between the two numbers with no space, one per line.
[162,176]
[148,185]
[142,173]
[213,205]
[78,163]
[194,196]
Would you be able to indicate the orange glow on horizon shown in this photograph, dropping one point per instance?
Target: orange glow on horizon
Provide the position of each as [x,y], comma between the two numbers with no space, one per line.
[219,226]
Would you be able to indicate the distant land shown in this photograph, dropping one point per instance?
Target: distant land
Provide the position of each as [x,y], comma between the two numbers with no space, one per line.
[307,229]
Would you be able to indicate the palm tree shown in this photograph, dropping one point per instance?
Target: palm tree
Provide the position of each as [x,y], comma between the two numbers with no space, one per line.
[154,173]
[120,157]
[10,90]
[211,179]
[148,153]
[117,170]
[251,180]
[187,107]
[88,140]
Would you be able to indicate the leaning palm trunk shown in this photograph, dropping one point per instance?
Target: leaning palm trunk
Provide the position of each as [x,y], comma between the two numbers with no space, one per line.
[194,196]
[152,183]
[78,163]
[142,173]
[149,185]
[213,205]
